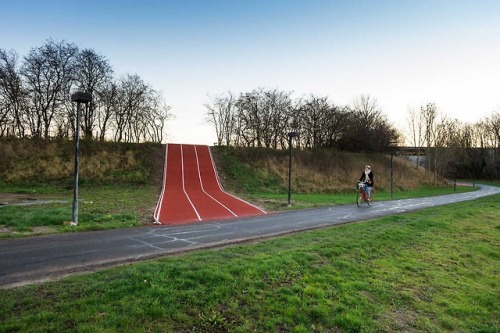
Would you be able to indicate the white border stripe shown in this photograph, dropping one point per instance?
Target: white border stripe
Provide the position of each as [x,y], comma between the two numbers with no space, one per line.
[222,190]
[156,215]
[201,183]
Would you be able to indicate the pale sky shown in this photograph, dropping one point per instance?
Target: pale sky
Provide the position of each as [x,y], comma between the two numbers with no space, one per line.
[403,53]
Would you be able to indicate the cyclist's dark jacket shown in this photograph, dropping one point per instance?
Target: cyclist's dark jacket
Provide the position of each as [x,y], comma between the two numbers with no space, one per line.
[370,176]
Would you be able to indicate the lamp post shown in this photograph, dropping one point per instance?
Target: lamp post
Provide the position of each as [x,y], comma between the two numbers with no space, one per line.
[392,172]
[290,136]
[457,165]
[392,175]
[78,97]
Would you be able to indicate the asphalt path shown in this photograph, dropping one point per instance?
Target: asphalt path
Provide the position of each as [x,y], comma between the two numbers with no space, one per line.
[37,259]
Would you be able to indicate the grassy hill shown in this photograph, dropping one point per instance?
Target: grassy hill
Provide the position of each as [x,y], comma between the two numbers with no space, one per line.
[242,170]
[249,170]
[26,161]
[120,183]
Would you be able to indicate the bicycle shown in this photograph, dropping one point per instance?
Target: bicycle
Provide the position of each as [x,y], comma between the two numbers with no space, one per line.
[361,195]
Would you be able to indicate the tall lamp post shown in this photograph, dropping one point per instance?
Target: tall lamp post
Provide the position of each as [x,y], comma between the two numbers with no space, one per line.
[392,172]
[392,175]
[78,97]
[291,135]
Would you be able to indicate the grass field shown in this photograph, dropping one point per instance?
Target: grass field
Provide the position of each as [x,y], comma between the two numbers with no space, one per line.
[273,201]
[430,271]
[121,206]
[100,207]
[435,270]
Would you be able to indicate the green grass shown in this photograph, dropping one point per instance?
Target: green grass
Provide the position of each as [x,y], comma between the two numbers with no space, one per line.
[103,207]
[430,271]
[120,206]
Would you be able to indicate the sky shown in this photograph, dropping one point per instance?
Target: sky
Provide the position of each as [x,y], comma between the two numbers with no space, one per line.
[404,53]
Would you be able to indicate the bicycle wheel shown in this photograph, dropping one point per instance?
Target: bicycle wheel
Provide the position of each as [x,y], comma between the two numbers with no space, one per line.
[359,198]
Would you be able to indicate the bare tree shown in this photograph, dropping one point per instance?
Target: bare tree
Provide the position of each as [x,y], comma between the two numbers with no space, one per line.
[160,113]
[415,131]
[93,73]
[12,96]
[108,97]
[263,117]
[222,113]
[494,126]
[132,94]
[276,111]
[150,124]
[494,122]
[429,114]
[249,127]
[49,72]
[138,113]
[368,129]
[315,114]
[446,144]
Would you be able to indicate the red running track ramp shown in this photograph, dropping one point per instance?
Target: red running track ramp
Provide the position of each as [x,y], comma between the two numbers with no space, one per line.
[191,189]
[174,202]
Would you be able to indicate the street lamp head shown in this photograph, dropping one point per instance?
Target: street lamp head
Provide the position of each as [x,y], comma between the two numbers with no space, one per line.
[81,97]
[293,134]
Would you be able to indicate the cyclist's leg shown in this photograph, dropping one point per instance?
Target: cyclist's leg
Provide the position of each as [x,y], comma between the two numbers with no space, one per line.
[368,192]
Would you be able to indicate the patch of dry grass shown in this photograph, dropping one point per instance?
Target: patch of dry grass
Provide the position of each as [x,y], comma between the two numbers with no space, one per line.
[42,161]
[314,171]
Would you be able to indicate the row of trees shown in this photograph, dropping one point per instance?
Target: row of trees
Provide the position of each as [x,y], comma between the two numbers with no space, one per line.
[455,148]
[35,97]
[35,102]
[264,117]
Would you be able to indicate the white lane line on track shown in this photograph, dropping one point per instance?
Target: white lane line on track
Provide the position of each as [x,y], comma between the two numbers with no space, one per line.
[201,183]
[184,186]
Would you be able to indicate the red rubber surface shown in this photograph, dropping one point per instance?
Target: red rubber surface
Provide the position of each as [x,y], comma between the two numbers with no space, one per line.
[191,189]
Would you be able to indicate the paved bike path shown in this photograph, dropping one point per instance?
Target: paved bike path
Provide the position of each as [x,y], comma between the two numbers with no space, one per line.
[30,260]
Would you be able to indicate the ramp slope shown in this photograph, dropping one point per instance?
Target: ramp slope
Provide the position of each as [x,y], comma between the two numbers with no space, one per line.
[192,191]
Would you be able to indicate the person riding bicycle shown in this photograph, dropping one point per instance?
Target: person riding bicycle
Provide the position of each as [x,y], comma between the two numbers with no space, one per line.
[367,178]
